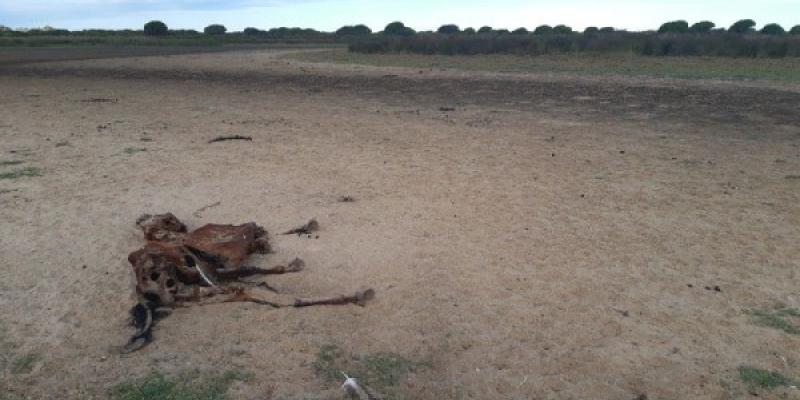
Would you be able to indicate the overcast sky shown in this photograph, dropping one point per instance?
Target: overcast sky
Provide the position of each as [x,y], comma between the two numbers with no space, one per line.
[420,14]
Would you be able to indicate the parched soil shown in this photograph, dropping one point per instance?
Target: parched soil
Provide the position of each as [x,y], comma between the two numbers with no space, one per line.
[527,236]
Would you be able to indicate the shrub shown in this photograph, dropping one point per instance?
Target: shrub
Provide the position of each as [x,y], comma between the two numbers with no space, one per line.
[469,31]
[488,29]
[543,30]
[702,27]
[215,29]
[253,31]
[398,29]
[591,30]
[743,26]
[356,30]
[756,378]
[520,31]
[296,34]
[773,29]
[47,31]
[795,30]
[449,29]
[607,29]
[679,26]
[562,29]
[184,32]
[155,28]
[502,32]
[645,43]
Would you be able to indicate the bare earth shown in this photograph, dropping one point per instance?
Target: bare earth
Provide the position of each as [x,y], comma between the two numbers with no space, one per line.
[549,238]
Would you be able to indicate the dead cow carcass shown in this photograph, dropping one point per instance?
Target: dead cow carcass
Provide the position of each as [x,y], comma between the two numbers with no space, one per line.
[177,268]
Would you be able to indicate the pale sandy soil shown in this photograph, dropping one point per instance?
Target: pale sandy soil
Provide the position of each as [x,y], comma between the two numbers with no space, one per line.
[538,242]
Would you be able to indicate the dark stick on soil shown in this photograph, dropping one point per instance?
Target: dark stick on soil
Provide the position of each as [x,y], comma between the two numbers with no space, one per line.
[311,226]
[99,100]
[234,137]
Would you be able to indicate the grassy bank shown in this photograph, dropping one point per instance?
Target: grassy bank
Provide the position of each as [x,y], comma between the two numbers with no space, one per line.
[622,64]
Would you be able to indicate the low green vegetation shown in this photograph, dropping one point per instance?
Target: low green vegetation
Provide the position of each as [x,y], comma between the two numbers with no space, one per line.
[782,318]
[188,386]
[13,162]
[5,348]
[133,150]
[27,172]
[587,64]
[756,378]
[24,364]
[381,371]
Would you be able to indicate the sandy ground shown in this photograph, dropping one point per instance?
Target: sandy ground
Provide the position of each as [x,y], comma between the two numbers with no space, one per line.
[547,239]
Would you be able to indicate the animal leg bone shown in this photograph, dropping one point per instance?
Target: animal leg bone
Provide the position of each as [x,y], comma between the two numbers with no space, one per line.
[296,265]
[240,295]
[360,298]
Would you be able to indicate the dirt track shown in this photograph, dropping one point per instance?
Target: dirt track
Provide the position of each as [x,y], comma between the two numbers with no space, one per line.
[547,238]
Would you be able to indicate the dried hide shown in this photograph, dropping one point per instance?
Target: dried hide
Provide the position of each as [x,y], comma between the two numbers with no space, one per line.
[176,267]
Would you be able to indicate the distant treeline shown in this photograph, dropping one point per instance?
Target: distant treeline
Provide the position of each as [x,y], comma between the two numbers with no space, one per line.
[157,28]
[676,38]
[156,33]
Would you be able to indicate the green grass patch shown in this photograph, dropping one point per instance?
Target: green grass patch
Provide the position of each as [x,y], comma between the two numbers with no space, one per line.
[586,64]
[133,150]
[24,364]
[21,173]
[756,378]
[6,347]
[380,371]
[12,162]
[780,318]
[183,387]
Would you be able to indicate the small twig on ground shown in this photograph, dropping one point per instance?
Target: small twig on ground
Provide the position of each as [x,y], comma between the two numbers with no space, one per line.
[202,209]
[311,226]
[624,313]
[99,100]
[234,137]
